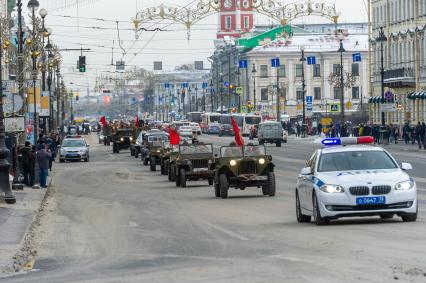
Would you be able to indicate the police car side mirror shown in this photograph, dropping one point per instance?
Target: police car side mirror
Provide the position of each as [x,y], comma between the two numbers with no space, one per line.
[306,171]
[406,166]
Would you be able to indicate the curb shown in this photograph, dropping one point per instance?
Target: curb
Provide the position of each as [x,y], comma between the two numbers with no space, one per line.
[24,257]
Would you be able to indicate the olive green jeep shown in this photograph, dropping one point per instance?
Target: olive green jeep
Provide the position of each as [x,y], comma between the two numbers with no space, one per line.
[193,162]
[241,167]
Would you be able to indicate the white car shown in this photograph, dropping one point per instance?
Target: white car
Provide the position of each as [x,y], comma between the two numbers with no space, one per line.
[354,180]
[195,128]
[185,131]
[74,149]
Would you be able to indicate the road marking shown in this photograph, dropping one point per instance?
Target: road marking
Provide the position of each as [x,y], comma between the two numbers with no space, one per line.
[133,224]
[418,179]
[225,231]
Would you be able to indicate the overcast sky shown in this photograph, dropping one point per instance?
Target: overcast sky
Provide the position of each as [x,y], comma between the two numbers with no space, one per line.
[79,29]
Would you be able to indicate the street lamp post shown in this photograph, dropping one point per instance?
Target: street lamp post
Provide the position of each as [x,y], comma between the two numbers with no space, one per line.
[238,73]
[43,14]
[303,60]
[196,98]
[382,38]
[33,6]
[254,71]
[211,95]
[4,152]
[278,94]
[342,82]
[221,94]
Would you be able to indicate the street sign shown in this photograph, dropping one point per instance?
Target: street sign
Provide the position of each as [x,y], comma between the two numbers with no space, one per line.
[185,85]
[309,105]
[120,65]
[166,85]
[388,107]
[243,64]
[14,124]
[226,84]
[275,62]
[158,65]
[309,99]
[356,57]
[388,95]
[348,105]
[205,85]
[12,103]
[311,60]
[199,65]
[239,90]
[334,107]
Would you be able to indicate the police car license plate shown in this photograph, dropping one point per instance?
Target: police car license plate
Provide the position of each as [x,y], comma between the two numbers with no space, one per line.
[371,200]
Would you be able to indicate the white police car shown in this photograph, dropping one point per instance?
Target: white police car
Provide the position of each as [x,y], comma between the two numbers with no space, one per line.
[354,180]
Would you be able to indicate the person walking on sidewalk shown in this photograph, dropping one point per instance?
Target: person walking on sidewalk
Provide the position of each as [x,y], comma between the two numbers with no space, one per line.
[419,135]
[406,133]
[43,157]
[423,136]
[28,162]
[395,133]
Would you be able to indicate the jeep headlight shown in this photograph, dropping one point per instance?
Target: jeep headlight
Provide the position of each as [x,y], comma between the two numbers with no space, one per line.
[210,161]
[158,150]
[404,186]
[332,189]
[261,161]
[131,139]
[122,139]
[232,162]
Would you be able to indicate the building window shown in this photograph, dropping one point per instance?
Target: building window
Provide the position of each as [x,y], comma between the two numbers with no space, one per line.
[263,71]
[355,92]
[317,93]
[299,94]
[264,94]
[337,91]
[336,69]
[228,22]
[282,71]
[246,22]
[355,69]
[299,70]
[317,70]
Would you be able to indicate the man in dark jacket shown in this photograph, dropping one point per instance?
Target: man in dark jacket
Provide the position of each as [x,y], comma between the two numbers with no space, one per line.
[43,157]
[419,134]
[28,162]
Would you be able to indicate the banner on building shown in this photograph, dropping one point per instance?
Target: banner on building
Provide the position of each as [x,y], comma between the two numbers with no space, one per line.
[45,104]
[30,95]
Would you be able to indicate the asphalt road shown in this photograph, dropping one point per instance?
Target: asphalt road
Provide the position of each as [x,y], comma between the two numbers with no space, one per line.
[115,221]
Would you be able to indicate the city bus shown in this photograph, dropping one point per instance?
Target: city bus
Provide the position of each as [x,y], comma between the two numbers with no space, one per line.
[207,119]
[249,120]
[194,117]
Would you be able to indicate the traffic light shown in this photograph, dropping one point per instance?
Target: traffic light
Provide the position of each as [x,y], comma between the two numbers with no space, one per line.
[77,97]
[82,64]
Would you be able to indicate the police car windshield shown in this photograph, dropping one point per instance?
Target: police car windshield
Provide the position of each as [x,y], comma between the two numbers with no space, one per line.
[355,160]
[73,143]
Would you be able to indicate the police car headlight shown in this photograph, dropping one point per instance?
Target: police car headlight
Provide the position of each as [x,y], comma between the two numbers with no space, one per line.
[404,186]
[261,161]
[232,162]
[332,189]
[63,151]
[122,139]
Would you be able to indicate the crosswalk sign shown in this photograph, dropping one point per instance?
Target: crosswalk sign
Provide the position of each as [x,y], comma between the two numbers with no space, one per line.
[239,90]
[334,107]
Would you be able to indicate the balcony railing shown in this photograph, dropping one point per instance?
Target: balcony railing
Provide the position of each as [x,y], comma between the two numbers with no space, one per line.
[399,77]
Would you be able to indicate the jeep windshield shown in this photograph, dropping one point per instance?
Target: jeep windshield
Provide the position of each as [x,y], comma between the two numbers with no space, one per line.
[157,140]
[196,149]
[254,150]
[231,151]
[124,133]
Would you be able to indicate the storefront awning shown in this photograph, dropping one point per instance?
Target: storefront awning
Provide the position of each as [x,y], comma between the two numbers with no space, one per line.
[411,95]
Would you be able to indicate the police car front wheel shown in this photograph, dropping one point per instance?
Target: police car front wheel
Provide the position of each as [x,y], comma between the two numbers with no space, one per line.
[318,219]
[301,218]
[410,217]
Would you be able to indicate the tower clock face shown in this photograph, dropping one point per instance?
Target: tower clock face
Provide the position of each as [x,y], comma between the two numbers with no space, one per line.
[246,4]
[228,4]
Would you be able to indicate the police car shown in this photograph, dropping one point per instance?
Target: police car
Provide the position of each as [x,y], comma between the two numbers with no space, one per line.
[347,177]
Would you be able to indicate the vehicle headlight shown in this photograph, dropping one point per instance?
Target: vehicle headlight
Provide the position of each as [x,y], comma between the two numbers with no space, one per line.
[63,151]
[131,139]
[233,162]
[82,150]
[332,189]
[122,139]
[158,150]
[261,161]
[210,161]
[404,186]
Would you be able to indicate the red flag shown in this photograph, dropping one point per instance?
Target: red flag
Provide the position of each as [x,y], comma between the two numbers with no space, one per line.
[137,121]
[174,136]
[103,121]
[238,137]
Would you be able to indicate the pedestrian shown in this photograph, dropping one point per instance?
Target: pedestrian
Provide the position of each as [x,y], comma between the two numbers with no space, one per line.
[423,135]
[413,135]
[298,129]
[419,134]
[406,133]
[43,156]
[28,159]
[319,129]
[395,133]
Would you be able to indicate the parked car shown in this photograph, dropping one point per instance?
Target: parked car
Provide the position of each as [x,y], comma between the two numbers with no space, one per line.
[213,128]
[226,130]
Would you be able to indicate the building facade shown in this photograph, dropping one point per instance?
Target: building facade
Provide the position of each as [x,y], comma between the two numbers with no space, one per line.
[235,17]
[404,55]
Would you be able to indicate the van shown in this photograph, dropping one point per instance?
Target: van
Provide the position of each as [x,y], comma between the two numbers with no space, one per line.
[270,132]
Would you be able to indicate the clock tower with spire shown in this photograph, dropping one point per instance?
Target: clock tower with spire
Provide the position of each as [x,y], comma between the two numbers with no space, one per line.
[235,18]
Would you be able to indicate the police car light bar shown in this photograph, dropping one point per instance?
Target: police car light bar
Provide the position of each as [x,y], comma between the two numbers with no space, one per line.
[347,141]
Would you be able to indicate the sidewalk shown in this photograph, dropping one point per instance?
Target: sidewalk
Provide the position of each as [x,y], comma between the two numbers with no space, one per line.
[401,146]
[15,221]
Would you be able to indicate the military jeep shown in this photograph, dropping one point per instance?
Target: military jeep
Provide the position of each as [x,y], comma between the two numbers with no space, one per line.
[152,145]
[173,155]
[164,157]
[194,162]
[121,139]
[242,167]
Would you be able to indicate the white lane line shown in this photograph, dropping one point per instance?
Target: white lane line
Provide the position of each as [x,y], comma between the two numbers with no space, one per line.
[225,231]
[419,179]
[133,224]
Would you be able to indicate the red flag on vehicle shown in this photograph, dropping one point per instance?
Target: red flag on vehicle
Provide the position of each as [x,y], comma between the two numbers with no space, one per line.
[137,121]
[174,136]
[238,137]
[103,121]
